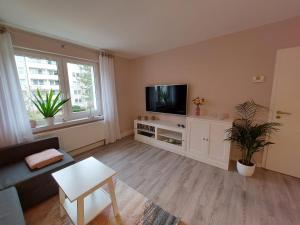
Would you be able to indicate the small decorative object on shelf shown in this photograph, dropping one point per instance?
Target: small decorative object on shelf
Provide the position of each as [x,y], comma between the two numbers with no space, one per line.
[198,101]
[153,118]
[145,117]
[33,123]
[139,117]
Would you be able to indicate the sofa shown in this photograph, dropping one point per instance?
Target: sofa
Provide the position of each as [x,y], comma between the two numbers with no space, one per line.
[10,208]
[32,186]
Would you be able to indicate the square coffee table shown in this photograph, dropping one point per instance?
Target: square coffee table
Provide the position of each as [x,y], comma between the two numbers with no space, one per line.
[80,192]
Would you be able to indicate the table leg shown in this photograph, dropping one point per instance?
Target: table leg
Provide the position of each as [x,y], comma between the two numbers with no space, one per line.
[80,211]
[62,198]
[113,196]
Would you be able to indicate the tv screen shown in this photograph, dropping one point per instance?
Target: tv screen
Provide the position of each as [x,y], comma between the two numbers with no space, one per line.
[167,99]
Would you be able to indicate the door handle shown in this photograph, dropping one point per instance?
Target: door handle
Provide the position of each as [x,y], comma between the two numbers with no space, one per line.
[279,113]
[283,113]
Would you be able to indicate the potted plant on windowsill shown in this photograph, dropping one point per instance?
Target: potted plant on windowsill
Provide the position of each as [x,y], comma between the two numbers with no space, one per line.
[48,106]
[250,135]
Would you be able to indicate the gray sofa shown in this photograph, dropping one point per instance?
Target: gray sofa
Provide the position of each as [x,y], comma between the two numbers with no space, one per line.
[10,208]
[33,186]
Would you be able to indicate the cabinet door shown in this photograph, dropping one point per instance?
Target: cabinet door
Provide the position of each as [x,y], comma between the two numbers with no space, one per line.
[198,131]
[219,149]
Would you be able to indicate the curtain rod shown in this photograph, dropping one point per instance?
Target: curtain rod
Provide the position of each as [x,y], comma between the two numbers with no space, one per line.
[106,53]
[53,53]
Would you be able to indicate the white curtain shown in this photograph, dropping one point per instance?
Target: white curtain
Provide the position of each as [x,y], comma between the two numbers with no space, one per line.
[14,122]
[109,98]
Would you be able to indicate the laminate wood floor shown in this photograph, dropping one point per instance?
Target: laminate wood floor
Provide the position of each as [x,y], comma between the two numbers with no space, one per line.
[202,194]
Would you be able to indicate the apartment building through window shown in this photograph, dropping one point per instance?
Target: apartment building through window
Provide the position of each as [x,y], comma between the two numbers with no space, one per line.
[75,79]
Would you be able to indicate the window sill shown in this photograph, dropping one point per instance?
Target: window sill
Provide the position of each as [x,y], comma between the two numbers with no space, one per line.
[66,124]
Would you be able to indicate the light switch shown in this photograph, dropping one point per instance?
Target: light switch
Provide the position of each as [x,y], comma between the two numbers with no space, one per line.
[258,79]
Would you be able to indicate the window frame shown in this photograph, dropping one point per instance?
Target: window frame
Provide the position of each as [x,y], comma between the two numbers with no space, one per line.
[78,115]
[67,114]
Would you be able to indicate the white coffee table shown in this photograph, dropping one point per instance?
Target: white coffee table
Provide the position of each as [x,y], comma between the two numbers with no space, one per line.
[80,192]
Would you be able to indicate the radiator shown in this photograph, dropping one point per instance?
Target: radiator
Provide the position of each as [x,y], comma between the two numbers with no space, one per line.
[76,137]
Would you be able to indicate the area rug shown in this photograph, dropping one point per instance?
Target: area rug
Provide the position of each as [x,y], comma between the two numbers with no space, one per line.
[135,209]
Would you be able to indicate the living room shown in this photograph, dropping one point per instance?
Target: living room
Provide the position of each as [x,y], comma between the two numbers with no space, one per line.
[147,112]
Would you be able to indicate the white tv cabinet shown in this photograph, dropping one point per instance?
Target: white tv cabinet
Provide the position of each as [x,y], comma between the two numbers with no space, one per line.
[161,134]
[202,138]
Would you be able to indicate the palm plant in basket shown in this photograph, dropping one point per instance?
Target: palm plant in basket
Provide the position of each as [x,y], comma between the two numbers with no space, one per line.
[48,106]
[250,135]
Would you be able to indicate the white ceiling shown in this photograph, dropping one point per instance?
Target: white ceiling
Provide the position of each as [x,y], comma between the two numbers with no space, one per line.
[134,28]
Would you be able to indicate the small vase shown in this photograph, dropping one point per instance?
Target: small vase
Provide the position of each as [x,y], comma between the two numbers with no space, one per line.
[33,123]
[198,110]
[245,170]
[50,121]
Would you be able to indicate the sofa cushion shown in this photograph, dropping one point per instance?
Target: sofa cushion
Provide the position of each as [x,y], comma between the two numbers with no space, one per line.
[15,153]
[44,158]
[10,208]
[16,173]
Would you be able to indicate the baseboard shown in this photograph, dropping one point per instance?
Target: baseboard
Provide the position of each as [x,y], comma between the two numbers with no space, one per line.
[126,133]
[86,148]
[96,144]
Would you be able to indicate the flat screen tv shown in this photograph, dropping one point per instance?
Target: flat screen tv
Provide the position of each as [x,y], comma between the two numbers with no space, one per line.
[167,99]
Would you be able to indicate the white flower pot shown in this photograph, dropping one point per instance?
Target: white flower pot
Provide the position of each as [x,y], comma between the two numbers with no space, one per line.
[50,121]
[245,170]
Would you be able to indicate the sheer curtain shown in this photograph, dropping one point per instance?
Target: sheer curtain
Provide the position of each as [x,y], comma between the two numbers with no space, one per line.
[14,121]
[109,98]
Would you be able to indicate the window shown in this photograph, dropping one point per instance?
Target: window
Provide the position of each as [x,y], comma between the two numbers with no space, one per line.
[21,70]
[52,72]
[35,81]
[23,83]
[31,80]
[73,78]
[82,88]
[54,82]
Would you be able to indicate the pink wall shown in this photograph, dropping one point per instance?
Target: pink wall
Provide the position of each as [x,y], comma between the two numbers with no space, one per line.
[219,69]
[34,41]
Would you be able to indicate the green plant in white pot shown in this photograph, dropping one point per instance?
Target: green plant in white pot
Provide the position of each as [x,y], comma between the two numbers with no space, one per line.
[49,105]
[250,135]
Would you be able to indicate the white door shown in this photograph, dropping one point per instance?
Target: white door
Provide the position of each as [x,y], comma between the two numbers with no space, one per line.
[198,131]
[284,155]
[219,149]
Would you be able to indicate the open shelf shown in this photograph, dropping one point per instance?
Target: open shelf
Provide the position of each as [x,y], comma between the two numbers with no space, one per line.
[146,133]
[145,130]
[170,134]
[93,205]
[162,134]
[170,140]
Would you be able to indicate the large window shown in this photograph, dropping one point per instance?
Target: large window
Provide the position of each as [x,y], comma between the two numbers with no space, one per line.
[82,88]
[77,80]
[32,77]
